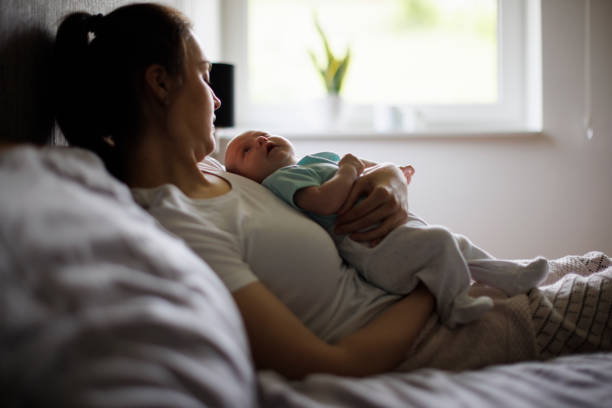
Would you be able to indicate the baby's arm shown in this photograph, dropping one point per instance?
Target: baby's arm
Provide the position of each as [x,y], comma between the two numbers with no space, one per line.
[328,197]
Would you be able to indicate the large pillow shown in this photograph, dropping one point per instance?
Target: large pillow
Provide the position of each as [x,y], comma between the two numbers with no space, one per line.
[99,306]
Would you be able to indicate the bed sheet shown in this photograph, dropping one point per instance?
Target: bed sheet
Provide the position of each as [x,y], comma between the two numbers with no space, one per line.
[572,313]
[571,381]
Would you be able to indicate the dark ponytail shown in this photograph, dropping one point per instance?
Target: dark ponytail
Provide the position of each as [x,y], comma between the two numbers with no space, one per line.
[99,65]
[75,109]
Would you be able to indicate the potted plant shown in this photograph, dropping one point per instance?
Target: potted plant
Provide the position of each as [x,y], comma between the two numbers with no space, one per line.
[334,70]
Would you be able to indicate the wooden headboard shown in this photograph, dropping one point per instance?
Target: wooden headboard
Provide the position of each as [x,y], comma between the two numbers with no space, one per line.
[27,30]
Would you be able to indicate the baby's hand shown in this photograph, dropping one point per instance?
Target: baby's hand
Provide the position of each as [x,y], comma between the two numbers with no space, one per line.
[408,172]
[350,161]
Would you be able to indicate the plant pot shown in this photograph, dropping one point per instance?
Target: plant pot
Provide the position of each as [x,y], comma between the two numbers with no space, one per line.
[333,109]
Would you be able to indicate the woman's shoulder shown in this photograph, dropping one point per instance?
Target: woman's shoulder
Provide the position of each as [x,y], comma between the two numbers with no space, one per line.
[211,164]
[149,198]
[241,186]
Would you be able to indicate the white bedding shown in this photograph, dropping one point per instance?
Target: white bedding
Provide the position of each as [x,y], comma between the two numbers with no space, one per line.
[572,381]
[582,320]
[102,308]
[99,306]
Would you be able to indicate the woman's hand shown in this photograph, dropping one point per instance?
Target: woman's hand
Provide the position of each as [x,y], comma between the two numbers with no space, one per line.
[384,207]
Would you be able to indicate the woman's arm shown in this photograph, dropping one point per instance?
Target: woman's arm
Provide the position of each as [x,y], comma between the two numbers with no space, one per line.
[384,208]
[279,341]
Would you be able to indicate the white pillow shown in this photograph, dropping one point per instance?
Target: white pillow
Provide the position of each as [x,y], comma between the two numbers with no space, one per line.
[99,306]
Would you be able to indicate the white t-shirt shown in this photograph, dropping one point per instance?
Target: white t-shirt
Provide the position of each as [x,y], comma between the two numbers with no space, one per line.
[249,234]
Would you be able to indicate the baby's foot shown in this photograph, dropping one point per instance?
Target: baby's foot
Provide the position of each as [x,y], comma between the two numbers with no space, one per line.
[512,277]
[527,277]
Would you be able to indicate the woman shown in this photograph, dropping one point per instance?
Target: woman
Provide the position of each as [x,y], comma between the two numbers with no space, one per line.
[138,94]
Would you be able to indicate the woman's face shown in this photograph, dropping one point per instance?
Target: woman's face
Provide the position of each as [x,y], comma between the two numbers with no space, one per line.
[191,107]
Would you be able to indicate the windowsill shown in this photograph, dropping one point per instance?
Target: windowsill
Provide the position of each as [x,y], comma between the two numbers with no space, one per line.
[340,135]
[489,136]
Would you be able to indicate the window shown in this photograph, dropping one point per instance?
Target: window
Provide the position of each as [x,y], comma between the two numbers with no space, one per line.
[416,65]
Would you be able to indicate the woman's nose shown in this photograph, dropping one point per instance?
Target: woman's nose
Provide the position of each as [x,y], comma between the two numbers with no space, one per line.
[216,101]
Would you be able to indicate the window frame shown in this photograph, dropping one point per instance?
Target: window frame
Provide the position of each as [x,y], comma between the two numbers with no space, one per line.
[510,113]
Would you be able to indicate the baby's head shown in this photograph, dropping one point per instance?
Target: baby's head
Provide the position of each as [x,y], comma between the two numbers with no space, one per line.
[256,154]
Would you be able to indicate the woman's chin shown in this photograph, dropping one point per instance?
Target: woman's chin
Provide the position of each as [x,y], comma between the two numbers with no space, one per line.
[209,147]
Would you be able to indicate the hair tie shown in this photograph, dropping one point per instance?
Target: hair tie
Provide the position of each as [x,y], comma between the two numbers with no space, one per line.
[94,22]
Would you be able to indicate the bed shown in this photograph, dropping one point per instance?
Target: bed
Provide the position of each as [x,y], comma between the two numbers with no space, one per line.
[101,307]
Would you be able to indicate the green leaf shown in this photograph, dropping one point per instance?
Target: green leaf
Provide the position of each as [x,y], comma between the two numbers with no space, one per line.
[340,74]
[314,59]
[334,73]
[328,51]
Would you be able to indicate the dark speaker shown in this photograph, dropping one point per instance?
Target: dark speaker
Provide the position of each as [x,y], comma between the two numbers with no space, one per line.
[222,82]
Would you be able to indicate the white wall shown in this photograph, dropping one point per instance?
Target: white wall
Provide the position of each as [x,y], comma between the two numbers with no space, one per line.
[519,197]
[206,15]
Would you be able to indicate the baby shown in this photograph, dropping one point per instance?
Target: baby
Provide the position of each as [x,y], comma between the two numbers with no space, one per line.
[319,184]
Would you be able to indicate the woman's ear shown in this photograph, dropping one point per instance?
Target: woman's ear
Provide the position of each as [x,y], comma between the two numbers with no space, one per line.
[159,83]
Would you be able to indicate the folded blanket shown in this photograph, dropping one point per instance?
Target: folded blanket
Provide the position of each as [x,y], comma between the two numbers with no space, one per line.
[572,315]
[504,335]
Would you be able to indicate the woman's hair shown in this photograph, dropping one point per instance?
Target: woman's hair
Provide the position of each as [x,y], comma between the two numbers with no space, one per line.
[99,66]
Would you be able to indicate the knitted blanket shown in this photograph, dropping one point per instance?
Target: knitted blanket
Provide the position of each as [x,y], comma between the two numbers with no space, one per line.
[571,313]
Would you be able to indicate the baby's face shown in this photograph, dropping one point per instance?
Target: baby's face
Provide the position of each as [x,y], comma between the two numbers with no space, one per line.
[256,154]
